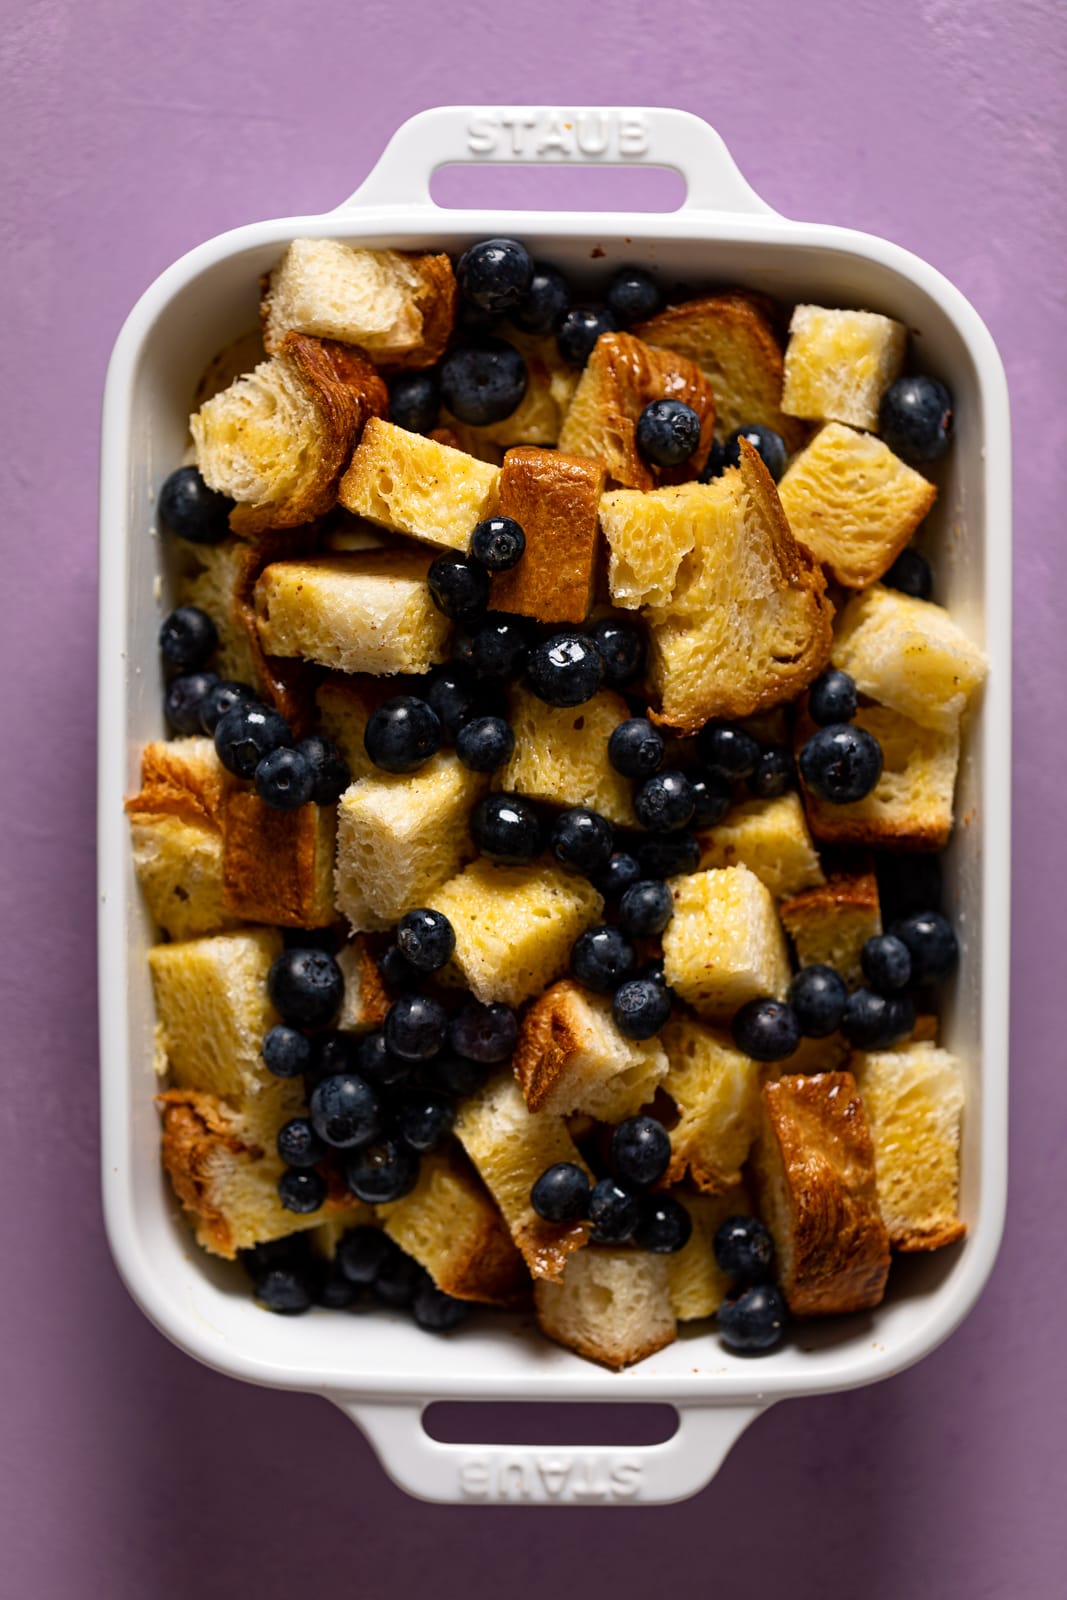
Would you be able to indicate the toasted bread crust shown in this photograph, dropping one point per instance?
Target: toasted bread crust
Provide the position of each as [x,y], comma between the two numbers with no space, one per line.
[570,1055]
[547,1039]
[195,1125]
[278,865]
[831,923]
[435,299]
[554,498]
[366,1002]
[173,785]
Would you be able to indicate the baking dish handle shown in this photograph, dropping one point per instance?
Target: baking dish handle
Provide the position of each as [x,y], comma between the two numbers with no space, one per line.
[634,136]
[578,1475]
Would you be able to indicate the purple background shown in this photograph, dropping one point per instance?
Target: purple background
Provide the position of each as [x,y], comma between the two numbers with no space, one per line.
[129,132]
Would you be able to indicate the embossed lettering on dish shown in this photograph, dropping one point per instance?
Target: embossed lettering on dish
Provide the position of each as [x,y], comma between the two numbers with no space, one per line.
[539,1477]
[555,133]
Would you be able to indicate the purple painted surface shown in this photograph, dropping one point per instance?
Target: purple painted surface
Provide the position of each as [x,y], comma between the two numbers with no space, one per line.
[130,132]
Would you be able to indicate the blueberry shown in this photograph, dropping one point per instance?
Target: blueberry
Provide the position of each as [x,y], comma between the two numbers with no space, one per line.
[188,508]
[248,732]
[484,1033]
[712,797]
[456,1076]
[426,939]
[565,670]
[398,1277]
[841,763]
[187,638]
[184,698]
[298,1143]
[668,431]
[423,1117]
[635,748]
[910,573]
[915,419]
[886,962]
[414,401]
[908,883]
[770,447]
[579,331]
[818,996]
[330,776]
[640,1151]
[301,1191]
[284,780]
[832,698]
[582,839]
[545,302]
[377,1063]
[496,274]
[561,1193]
[435,1310]
[665,1226]
[485,743]
[283,1291]
[334,1052]
[715,465]
[220,698]
[345,1112]
[666,855]
[727,750]
[458,587]
[496,648]
[614,1212]
[653,972]
[415,1027]
[766,1030]
[291,1252]
[633,295]
[472,322]
[753,1321]
[382,1172]
[498,543]
[483,382]
[361,1253]
[641,1007]
[397,971]
[932,942]
[332,1289]
[286,1052]
[403,734]
[506,828]
[601,959]
[775,773]
[621,870]
[622,649]
[305,987]
[875,1021]
[451,694]
[645,908]
[744,1250]
[664,802]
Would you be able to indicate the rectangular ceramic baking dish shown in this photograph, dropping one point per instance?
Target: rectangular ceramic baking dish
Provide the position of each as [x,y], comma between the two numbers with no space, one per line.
[379,1367]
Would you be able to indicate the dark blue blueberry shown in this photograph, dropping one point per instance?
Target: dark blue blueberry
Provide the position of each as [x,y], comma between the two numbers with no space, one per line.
[766,1030]
[188,508]
[633,295]
[579,331]
[910,573]
[456,1076]
[382,1172]
[498,543]
[915,419]
[403,734]
[932,942]
[775,773]
[298,1143]
[397,971]
[452,695]
[582,839]
[875,1021]
[474,323]
[818,996]
[331,1289]
[641,1007]
[423,1117]
[283,1291]
[622,649]
[483,382]
[753,1321]
[458,587]
[187,638]
[248,732]
[184,698]
[361,1253]
[833,698]
[496,274]
[414,401]
[220,698]
[744,1250]
[496,648]
[908,883]
[545,302]
[484,1033]
[614,1212]
[485,743]
[291,1251]
[841,763]
[286,1051]
[561,1193]
[415,1027]
[621,870]
[715,465]
[333,1052]
[601,959]
[345,1111]
[668,431]
[665,1226]
[426,938]
[377,1063]
[635,748]
[664,802]
[284,780]
[667,855]
[507,829]
[770,446]
[301,1191]
[565,670]
[712,798]
[727,750]
[886,962]
[330,776]
[640,1151]
[306,987]
[645,908]
[436,1311]
[398,1277]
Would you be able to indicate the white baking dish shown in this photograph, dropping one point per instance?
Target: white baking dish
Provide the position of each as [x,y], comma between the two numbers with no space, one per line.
[378,1367]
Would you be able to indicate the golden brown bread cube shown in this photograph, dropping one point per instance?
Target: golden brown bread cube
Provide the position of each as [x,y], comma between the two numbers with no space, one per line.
[561,755]
[554,498]
[716,1092]
[697,1284]
[213,1010]
[829,925]
[838,364]
[612,1306]
[724,944]
[277,866]
[365,1002]
[571,1057]
[909,655]
[176,834]
[649,534]
[771,839]
[417,486]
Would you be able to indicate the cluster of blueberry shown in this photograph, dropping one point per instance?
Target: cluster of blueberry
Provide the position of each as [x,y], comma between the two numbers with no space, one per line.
[619,1204]
[752,1317]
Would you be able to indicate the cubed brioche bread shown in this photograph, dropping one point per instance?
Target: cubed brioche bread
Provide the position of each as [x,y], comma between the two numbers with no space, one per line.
[345,703]
[278,439]
[909,655]
[277,866]
[838,364]
[400,837]
[698,1286]
[452,1227]
[571,1057]
[460,436]
[913,1099]
[829,925]
[213,1009]
[734,345]
[748,625]
[514,926]
[538,417]
[364,613]
[814,1164]
[810,1056]
[612,1306]
[400,308]
[716,1091]
[622,376]
[853,503]
[176,834]
[771,839]
[554,499]
[724,944]
[511,1148]
[910,807]
[414,485]
[650,534]
[365,1002]
[561,755]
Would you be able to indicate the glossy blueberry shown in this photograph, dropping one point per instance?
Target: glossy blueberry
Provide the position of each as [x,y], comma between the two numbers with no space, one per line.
[301,1191]
[832,698]
[545,302]
[715,465]
[910,573]
[331,1289]
[451,694]
[633,295]
[377,1063]
[498,543]
[666,855]
[414,401]
[220,698]
[770,446]
[187,638]
[932,942]
[184,698]
[601,959]
[496,648]
[423,1117]
[908,883]
[458,587]
[507,829]
[286,1051]
[712,798]
[483,382]
[402,734]
[398,1277]
[456,1076]
[283,1290]
[841,763]
[248,732]
[664,802]
[635,748]
[875,1021]
[561,1193]
[436,1311]
[426,938]
[753,1321]
[565,670]
[744,1250]
[582,839]
[728,751]
[886,963]
[361,1253]
[396,970]
[330,776]
[472,322]
[640,1151]
[641,1007]
[668,431]
[305,987]
[579,331]
[382,1172]
[188,508]
[775,773]
[621,870]
[614,1211]
[622,649]
[284,780]
[484,743]
[818,996]
[496,274]
[345,1111]
[665,1225]
[766,1030]
[415,1027]
[915,419]
[484,1033]
[645,908]
[298,1143]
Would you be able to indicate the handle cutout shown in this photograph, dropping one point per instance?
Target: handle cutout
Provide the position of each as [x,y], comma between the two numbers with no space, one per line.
[520,186]
[548,1425]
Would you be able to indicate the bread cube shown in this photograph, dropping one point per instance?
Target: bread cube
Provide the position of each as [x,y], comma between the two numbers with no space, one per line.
[561,755]
[650,534]
[724,944]
[175,831]
[400,837]
[571,1057]
[514,926]
[715,1089]
[414,485]
[811,1056]
[830,925]
[277,866]
[838,364]
[913,1099]
[213,1010]
[366,613]
[910,807]
[554,499]
[697,1284]
[909,655]
[613,1306]
[853,503]
[511,1148]
[365,1002]
[771,839]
